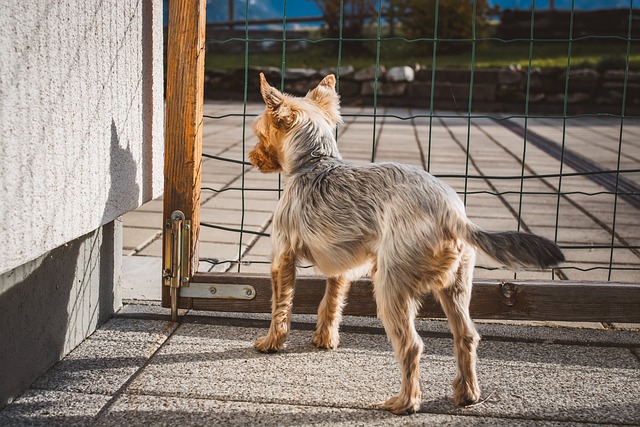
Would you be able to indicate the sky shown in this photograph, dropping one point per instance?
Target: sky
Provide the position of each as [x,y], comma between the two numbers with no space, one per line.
[217,10]
[274,8]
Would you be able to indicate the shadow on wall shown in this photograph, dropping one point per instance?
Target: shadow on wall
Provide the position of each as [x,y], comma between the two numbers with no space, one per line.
[124,191]
[148,100]
[45,312]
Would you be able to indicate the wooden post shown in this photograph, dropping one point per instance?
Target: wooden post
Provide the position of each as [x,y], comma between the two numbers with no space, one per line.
[183,118]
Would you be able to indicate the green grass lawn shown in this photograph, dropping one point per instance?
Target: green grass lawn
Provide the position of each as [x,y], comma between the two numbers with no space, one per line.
[488,54]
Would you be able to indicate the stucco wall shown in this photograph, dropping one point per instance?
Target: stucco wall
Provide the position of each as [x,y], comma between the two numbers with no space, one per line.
[81,119]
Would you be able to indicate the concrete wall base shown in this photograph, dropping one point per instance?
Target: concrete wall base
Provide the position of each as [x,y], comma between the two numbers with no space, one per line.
[49,305]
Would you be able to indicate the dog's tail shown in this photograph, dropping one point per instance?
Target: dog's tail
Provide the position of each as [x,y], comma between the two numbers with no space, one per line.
[515,249]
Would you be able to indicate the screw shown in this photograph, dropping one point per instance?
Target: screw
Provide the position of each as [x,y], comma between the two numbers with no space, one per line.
[248,291]
[185,279]
[213,290]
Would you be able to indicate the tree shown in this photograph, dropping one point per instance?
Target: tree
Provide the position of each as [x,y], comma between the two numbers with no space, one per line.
[355,16]
[455,18]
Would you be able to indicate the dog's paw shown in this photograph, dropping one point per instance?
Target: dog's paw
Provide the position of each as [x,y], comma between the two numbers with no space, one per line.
[400,406]
[325,340]
[465,394]
[267,345]
[465,400]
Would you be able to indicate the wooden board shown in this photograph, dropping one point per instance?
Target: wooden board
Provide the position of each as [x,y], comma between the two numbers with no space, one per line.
[517,300]
[183,116]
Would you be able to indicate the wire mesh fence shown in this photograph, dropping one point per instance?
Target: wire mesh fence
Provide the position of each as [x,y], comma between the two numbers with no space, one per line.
[570,175]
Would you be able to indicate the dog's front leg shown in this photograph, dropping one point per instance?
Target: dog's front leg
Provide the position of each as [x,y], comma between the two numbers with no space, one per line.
[283,276]
[330,313]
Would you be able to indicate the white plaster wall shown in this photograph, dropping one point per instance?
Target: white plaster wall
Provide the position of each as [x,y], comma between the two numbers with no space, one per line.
[81,118]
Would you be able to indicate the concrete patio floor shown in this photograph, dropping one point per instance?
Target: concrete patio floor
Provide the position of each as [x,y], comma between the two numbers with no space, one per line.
[142,369]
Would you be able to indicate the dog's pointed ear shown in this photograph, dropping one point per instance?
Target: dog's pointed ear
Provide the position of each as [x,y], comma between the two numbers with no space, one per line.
[329,82]
[272,96]
[327,87]
[325,96]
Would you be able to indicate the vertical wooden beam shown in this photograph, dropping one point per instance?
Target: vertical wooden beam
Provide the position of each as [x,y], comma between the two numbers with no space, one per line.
[183,117]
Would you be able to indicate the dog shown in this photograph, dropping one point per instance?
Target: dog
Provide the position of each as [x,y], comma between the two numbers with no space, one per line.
[410,227]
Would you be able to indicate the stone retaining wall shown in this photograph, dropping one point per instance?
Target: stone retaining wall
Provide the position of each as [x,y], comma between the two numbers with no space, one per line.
[494,90]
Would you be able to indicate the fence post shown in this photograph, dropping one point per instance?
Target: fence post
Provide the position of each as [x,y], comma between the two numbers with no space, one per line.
[183,121]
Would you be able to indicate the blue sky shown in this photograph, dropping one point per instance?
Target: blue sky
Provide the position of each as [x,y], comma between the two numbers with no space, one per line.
[264,9]
[308,8]
[274,8]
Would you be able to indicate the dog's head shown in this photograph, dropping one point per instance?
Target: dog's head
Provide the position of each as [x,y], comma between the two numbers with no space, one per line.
[285,114]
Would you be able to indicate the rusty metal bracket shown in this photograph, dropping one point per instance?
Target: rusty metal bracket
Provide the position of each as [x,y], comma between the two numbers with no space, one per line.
[177,244]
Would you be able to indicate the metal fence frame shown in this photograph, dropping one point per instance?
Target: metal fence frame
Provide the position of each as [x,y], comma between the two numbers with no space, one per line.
[491,299]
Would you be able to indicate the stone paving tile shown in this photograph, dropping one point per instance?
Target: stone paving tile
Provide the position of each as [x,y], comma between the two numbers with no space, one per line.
[136,237]
[153,249]
[142,219]
[529,380]
[219,251]
[233,217]
[225,201]
[53,408]
[171,410]
[262,246]
[107,359]
[209,235]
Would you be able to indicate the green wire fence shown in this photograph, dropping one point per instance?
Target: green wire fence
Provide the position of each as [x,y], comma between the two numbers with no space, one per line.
[591,182]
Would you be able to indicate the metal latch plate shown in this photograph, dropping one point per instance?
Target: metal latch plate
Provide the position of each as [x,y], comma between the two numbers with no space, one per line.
[177,250]
[218,291]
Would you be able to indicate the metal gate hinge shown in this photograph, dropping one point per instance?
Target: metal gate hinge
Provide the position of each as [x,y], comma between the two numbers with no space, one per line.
[177,254]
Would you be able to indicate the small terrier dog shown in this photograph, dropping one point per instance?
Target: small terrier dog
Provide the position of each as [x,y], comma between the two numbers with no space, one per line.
[409,226]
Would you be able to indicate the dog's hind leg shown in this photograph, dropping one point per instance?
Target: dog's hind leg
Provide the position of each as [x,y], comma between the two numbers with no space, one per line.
[283,276]
[330,313]
[397,311]
[454,300]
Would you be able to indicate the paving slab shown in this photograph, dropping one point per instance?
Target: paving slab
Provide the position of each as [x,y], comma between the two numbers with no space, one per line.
[561,382]
[53,408]
[141,369]
[136,238]
[107,359]
[170,410]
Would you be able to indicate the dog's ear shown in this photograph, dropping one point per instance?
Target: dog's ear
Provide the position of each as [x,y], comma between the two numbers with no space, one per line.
[326,88]
[277,107]
[329,82]
[272,96]
[327,98]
